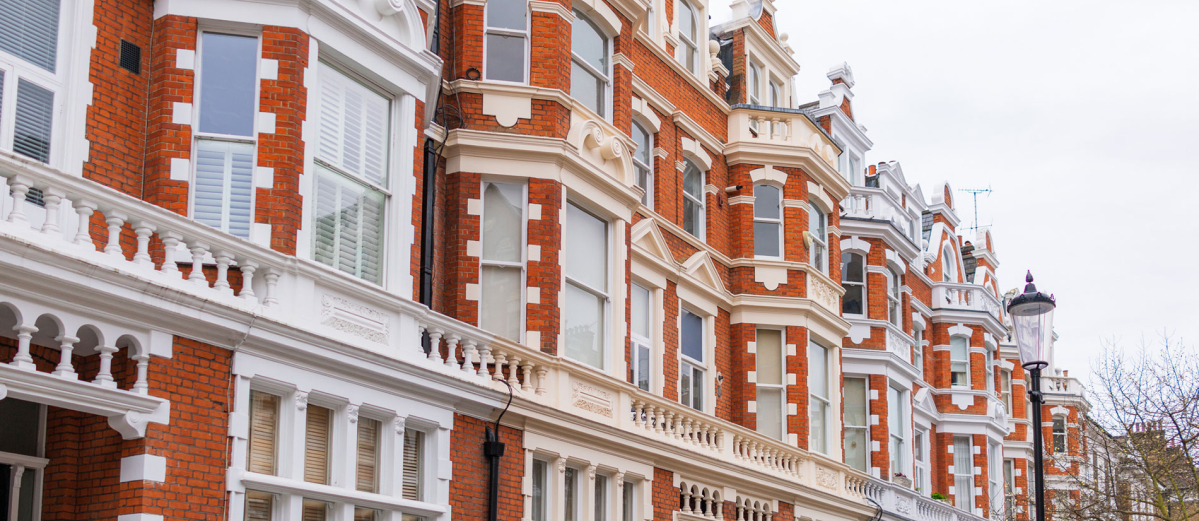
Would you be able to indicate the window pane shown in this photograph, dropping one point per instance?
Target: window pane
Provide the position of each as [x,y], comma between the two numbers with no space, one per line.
[368,456]
[770,356]
[259,505]
[349,226]
[35,114]
[692,218]
[503,222]
[817,425]
[766,239]
[645,180]
[686,21]
[693,181]
[18,431]
[264,420]
[693,336]
[685,384]
[855,448]
[818,370]
[540,472]
[223,186]
[587,88]
[641,137]
[588,43]
[354,126]
[628,501]
[895,414]
[29,30]
[958,349]
[228,83]
[586,248]
[584,326]
[851,301]
[601,498]
[642,366]
[770,412]
[507,14]
[316,445]
[571,493]
[414,443]
[506,57]
[697,389]
[500,308]
[766,202]
[855,402]
[314,510]
[639,309]
[365,514]
[963,458]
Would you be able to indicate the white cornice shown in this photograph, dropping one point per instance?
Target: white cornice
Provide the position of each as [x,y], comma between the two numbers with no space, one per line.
[542,6]
[703,136]
[508,89]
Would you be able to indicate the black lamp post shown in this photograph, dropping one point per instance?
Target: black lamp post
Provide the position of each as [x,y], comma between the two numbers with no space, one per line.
[1032,321]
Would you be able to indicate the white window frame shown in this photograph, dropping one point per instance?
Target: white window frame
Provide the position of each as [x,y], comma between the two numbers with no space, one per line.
[67,54]
[22,463]
[780,388]
[824,398]
[524,250]
[1009,485]
[776,93]
[755,85]
[846,282]
[572,508]
[920,460]
[606,109]
[899,461]
[918,335]
[1064,435]
[989,360]
[995,481]
[688,44]
[702,225]
[547,490]
[894,302]
[394,122]
[948,263]
[778,222]
[198,136]
[968,494]
[605,293]
[1005,379]
[818,231]
[639,342]
[865,428]
[649,168]
[526,34]
[955,363]
[698,367]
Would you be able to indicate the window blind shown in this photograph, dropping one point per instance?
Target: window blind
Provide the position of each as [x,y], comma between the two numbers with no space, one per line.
[264,421]
[365,514]
[29,30]
[354,127]
[316,447]
[414,442]
[34,117]
[368,456]
[258,505]
[349,226]
[314,510]
[224,185]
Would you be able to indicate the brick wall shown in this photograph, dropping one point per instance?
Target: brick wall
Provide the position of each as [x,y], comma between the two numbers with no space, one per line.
[469,483]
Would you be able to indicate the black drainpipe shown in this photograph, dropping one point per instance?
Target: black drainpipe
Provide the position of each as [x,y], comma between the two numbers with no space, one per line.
[430,187]
[493,449]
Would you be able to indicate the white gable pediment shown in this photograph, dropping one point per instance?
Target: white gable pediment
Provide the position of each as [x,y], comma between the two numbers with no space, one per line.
[648,237]
[701,268]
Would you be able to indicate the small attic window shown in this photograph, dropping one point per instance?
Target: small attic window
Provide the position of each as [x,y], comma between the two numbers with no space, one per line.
[131,57]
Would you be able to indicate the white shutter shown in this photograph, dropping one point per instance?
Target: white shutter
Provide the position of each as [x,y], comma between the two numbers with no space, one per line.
[316,445]
[354,127]
[29,30]
[224,185]
[264,415]
[349,226]
[413,444]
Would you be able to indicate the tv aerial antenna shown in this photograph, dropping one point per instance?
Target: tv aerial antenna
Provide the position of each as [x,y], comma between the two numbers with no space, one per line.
[974,192]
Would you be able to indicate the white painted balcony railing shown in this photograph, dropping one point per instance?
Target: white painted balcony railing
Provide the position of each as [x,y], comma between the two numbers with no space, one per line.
[783,127]
[312,298]
[905,502]
[899,343]
[964,297]
[1062,385]
[876,203]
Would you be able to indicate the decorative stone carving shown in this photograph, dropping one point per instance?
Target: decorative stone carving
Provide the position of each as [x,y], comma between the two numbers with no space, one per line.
[826,478]
[592,399]
[301,401]
[352,413]
[355,319]
[824,294]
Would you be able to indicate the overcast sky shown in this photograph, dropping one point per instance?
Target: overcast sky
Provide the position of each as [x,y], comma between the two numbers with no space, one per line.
[1080,116]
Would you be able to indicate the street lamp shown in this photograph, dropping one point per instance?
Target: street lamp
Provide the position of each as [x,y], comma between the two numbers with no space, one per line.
[1032,320]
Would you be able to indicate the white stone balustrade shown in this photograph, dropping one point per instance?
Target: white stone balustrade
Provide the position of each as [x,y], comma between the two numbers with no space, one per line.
[969,297]
[876,203]
[905,502]
[781,127]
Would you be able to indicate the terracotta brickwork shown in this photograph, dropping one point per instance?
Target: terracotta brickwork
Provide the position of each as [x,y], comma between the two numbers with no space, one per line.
[468,486]
[283,150]
[169,84]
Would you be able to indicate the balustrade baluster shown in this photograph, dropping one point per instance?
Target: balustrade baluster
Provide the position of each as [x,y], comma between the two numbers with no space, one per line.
[541,372]
[248,267]
[527,373]
[65,368]
[143,230]
[142,385]
[501,358]
[170,245]
[435,345]
[638,406]
[513,365]
[272,282]
[451,350]
[223,259]
[484,354]
[115,220]
[23,360]
[469,352]
[51,198]
[198,251]
[84,210]
[18,188]
[104,375]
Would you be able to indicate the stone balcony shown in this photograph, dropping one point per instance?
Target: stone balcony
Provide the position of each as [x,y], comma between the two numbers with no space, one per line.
[964,297]
[195,270]
[880,205]
[899,502]
[784,137]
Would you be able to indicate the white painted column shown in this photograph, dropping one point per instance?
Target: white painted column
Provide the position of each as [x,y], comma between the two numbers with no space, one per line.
[23,360]
[66,369]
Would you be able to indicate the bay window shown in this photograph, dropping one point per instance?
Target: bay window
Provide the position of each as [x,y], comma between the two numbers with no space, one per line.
[693,200]
[590,65]
[640,320]
[586,308]
[643,162]
[963,473]
[818,230]
[227,93]
[768,221]
[351,175]
[857,424]
[689,36]
[893,306]
[506,41]
[28,76]
[772,374]
[853,279]
[691,364]
[959,362]
[897,420]
[818,392]
[502,261]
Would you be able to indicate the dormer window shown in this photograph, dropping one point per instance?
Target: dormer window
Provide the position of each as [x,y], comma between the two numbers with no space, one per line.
[689,25]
